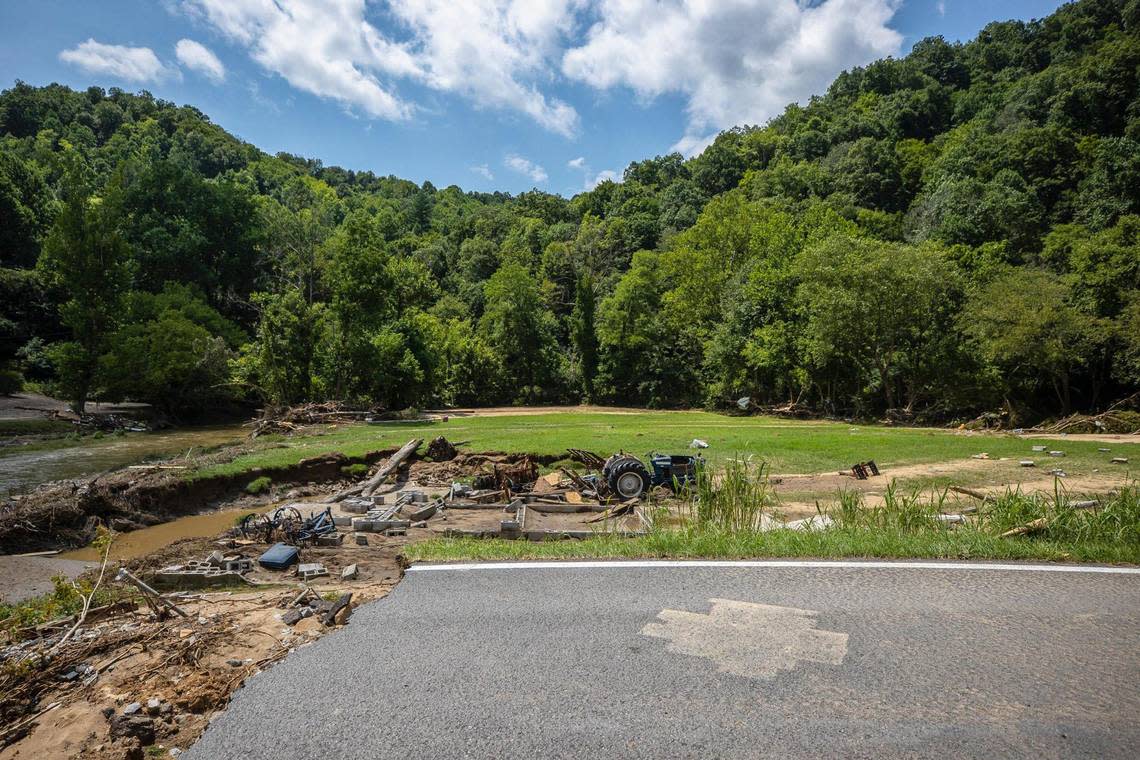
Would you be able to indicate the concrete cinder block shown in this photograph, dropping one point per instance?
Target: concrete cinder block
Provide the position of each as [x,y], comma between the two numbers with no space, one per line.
[349,573]
[311,570]
[361,539]
[362,524]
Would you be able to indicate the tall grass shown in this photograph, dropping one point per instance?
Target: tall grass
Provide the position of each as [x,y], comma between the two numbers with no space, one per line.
[735,498]
[724,515]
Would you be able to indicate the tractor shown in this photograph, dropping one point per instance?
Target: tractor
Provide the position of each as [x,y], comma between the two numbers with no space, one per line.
[629,478]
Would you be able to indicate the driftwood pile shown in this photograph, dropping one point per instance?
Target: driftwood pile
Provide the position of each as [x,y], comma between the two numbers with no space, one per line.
[285,420]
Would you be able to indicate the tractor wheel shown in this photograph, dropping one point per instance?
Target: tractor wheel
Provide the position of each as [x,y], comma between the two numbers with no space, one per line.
[629,479]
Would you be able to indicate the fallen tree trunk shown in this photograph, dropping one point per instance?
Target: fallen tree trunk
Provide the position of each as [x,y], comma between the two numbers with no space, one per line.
[368,487]
[390,466]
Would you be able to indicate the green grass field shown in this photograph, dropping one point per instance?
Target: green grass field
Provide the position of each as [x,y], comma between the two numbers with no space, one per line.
[788,446]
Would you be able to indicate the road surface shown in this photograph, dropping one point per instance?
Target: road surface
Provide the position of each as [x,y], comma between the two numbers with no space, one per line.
[710,660]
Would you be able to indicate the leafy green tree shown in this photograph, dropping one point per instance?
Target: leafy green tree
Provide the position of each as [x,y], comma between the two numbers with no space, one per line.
[279,362]
[87,261]
[1024,323]
[174,352]
[519,330]
[583,333]
[25,211]
[881,309]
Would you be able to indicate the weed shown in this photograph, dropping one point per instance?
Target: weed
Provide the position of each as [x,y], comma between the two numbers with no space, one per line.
[734,498]
[355,470]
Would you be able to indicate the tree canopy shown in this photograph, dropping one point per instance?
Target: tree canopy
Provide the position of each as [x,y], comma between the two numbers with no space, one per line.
[933,235]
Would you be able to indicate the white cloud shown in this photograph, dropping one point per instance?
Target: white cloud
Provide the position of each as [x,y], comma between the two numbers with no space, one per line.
[941,6]
[526,166]
[483,171]
[326,49]
[732,61]
[133,64]
[494,52]
[605,175]
[591,180]
[197,57]
[737,61]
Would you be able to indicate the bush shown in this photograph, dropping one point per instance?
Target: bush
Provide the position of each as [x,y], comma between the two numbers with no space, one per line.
[354,470]
[259,485]
[10,382]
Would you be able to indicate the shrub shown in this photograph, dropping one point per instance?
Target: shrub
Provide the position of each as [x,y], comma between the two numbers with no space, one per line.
[259,485]
[354,470]
[10,382]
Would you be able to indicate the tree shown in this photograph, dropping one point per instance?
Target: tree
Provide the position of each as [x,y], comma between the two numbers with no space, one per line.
[279,362]
[1023,323]
[86,260]
[881,309]
[518,329]
[583,335]
[173,352]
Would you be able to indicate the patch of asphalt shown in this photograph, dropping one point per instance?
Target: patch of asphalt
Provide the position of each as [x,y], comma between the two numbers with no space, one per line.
[610,662]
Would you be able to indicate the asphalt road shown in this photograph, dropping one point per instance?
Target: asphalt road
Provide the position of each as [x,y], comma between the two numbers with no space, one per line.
[675,660]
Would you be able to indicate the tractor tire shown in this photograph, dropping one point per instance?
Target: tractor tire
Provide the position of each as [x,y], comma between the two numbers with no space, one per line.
[628,479]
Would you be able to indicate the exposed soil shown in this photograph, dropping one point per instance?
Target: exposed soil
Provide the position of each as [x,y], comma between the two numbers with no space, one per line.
[192,665]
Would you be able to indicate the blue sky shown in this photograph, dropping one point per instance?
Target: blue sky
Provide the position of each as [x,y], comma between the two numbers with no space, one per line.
[486,94]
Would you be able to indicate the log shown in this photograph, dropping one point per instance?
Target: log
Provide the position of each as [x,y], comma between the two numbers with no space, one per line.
[390,466]
[1041,523]
[368,487]
[148,592]
[969,492]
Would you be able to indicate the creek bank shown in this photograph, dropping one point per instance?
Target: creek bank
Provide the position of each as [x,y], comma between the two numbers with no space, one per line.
[66,514]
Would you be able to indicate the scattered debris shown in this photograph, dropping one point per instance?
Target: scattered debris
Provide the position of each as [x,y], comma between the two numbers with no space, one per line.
[279,557]
[698,444]
[862,470]
[308,571]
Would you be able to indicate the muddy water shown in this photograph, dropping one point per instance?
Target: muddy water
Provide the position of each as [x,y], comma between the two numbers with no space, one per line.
[145,540]
[22,471]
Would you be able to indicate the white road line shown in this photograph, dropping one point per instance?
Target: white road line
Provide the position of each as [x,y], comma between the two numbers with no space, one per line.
[774,563]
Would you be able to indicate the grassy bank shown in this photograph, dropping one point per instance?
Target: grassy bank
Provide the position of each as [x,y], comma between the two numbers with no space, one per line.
[834,543]
[905,525]
[788,446]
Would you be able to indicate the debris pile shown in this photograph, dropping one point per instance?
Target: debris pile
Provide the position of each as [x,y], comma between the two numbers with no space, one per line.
[287,420]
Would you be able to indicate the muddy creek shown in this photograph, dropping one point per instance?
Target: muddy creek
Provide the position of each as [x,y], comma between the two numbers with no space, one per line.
[136,543]
[20,471]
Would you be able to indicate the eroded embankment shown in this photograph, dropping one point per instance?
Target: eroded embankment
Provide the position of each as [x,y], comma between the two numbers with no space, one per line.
[66,514]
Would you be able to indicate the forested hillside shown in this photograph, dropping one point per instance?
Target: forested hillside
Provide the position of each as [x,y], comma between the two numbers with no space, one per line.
[934,236]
